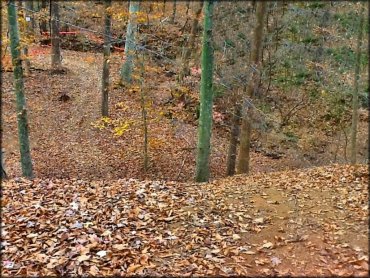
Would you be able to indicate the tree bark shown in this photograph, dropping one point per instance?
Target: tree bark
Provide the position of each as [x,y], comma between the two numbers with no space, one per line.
[234,134]
[173,11]
[206,98]
[106,54]
[130,44]
[27,32]
[185,71]
[29,13]
[355,91]
[187,7]
[43,24]
[245,135]
[56,59]
[24,144]
[164,8]
[3,174]
[144,114]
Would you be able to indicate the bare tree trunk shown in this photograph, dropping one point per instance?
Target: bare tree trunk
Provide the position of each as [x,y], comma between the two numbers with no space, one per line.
[28,5]
[345,144]
[355,91]
[173,11]
[144,114]
[56,59]
[245,136]
[187,7]
[107,45]
[43,24]
[164,8]
[3,174]
[187,51]
[27,32]
[234,134]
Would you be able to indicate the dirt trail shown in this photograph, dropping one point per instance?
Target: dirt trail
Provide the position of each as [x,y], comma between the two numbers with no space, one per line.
[61,132]
[84,110]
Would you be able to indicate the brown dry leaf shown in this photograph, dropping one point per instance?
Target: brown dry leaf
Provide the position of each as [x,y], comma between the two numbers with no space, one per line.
[144,259]
[267,245]
[83,258]
[107,233]
[32,235]
[259,220]
[218,237]
[52,263]
[93,270]
[133,268]
[236,237]
[119,247]
[261,261]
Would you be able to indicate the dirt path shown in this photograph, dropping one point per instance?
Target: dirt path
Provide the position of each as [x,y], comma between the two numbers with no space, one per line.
[61,132]
[84,110]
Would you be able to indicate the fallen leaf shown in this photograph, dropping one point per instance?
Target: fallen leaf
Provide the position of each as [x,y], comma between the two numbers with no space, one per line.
[101,253]
[236,237]
[268,245]
[119,247]
[258,220]
[93,270]
[83,258]
[31,235]
[133,268]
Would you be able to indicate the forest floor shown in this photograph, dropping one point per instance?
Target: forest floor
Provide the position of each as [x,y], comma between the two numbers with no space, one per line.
[311,222]
[92,209]
[65,139]
[69,138]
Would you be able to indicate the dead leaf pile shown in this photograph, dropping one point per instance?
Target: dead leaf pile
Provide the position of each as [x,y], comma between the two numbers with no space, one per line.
[310,222]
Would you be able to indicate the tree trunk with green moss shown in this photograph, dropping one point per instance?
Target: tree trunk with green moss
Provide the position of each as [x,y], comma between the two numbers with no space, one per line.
[246,126]
[24,144]
[355,91]
[130,43]
[106,54]
[206,98]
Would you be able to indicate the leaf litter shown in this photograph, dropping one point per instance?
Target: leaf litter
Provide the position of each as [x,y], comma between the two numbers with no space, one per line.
[311,222]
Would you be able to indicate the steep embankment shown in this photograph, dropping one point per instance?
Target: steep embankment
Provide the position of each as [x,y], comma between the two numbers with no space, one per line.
[64,111]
